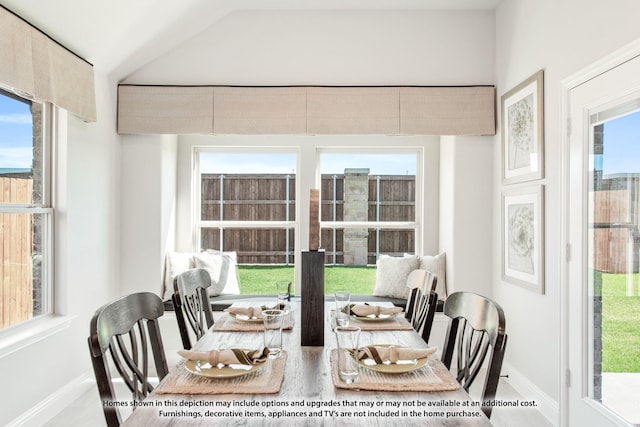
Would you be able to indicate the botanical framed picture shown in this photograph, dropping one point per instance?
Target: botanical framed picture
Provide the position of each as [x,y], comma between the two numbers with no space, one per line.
[523,131]
[523,237]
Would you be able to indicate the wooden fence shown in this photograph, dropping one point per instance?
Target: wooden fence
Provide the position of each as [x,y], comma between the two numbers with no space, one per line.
[16,242]
[271,197]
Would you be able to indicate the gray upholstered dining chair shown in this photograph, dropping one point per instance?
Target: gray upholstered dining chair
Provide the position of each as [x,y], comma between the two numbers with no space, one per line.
[125,333]
[476,331]
[422,302]
[191,304]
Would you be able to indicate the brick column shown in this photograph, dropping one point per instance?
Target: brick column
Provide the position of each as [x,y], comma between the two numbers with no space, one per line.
[356,208]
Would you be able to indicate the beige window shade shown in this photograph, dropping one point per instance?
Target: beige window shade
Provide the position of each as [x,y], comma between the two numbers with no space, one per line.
[447,110]
[307,110]
[165,109]
[37,67]
[259,110]
[353,110]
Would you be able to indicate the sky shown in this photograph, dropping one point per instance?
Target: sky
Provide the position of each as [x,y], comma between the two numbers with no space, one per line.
[16,141]
[622,145]
[330,163]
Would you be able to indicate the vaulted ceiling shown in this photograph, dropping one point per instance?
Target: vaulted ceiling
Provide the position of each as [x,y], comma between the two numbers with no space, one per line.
[120,36]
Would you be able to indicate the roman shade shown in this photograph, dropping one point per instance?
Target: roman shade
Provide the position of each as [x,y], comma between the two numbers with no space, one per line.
[319,110]
[36,67]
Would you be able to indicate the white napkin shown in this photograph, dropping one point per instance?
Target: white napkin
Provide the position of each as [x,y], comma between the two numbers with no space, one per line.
[364,310]
[251,312]
[392,354]
[231,356]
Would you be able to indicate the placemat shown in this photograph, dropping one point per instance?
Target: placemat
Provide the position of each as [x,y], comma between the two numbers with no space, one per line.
[398,323]
[226,323]
[434,376]
[266,380]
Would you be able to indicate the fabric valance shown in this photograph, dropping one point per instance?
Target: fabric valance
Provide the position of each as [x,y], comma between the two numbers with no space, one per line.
[314,110]
[35,66]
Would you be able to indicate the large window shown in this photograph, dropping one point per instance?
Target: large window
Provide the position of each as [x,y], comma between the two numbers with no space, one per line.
[247,201]
[248,205]
[25,210]
[368,205]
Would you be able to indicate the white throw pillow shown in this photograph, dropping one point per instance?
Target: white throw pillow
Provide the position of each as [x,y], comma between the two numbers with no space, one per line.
[391,275]
[174,264]
[437,265]
[222,269]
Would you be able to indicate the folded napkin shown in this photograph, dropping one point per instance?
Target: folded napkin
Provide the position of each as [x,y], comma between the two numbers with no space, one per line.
[381,354]
[363,310]
[252,312]
[231,356]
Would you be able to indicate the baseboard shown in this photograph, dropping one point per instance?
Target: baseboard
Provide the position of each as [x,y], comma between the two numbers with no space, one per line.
[55,403]
[548,407]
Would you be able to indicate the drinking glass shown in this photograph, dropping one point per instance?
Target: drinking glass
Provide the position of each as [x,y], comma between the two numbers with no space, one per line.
[347,338]
[283,288]
[272,320]
[343,300]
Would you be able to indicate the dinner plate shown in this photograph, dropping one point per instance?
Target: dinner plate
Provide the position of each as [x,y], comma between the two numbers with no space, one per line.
[245,318]
[401,367]
[204,369]
[373,318]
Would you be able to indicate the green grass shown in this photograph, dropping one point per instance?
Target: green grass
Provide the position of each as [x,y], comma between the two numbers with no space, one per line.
[261,279]
[620,325]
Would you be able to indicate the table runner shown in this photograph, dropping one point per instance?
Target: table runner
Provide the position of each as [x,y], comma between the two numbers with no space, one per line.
[434,376]
[266,380]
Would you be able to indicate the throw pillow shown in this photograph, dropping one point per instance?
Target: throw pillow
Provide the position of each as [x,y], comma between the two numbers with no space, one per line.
[174,264]
[437,265]
[391,276]
[222,269]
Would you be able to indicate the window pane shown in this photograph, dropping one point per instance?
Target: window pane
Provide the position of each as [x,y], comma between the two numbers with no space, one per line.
[21,245]
[21,152]
[247,187]
[368,187]
[253,245]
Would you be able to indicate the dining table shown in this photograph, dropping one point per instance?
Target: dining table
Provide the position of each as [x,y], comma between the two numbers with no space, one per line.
[302,386]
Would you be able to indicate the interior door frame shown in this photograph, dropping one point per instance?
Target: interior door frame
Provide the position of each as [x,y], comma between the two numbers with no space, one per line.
[602,66]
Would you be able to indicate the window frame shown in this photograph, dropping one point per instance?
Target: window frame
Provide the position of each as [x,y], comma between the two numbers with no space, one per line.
[416,225]
[20,334]
[196,197]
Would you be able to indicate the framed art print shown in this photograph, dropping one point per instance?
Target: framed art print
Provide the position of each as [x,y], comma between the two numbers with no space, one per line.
[523,131]
[522,237]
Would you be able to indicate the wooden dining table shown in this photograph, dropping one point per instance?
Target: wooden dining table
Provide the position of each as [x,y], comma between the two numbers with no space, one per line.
[306,393]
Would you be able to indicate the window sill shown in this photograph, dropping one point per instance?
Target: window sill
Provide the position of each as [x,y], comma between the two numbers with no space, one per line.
[17,337]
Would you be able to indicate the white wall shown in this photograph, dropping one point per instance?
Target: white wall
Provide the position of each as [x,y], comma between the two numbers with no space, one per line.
[466,191]
[561,37]
[87,244]
[333,48]
[148,209]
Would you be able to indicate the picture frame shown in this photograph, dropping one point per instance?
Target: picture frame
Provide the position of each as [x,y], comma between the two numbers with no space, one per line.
[523,237]
[522,131]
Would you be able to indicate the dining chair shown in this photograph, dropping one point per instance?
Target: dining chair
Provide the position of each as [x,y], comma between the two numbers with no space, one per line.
[476,331]
[191,304]
[121,333]
[422,302]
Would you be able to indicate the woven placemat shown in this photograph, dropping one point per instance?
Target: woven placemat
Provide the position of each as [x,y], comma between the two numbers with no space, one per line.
[265,380]
[226,323]
[398,323]
[434,376]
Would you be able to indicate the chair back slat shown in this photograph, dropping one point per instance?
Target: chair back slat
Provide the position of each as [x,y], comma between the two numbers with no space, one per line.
[422,302]
[476,331]
[191,304]
[121,335]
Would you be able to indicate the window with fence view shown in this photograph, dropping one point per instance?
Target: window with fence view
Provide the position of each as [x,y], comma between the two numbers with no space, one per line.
[248,206]
[25,213]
